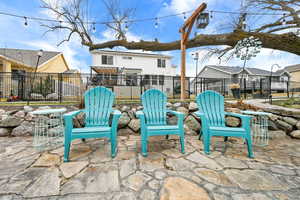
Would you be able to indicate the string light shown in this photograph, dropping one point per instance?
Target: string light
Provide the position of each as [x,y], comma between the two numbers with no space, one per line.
[126,26]
[284,20]
[156,23]
[184,16]
[25,22]
[140,20]
[94,28]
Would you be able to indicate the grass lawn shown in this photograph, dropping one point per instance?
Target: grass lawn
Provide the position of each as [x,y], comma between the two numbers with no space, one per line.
[289,103]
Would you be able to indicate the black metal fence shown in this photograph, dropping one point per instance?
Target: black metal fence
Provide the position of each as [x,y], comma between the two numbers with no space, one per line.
[70,87]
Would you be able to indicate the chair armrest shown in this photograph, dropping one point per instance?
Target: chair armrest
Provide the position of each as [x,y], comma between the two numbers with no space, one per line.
[72,114]
[245,118]
[140,114]
[116,112]
[116,116]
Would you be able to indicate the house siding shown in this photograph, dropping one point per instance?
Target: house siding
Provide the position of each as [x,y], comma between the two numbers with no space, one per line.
[56,65]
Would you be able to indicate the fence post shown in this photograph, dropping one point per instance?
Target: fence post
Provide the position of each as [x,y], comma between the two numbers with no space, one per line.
[60,87]
[141,84]
[189,86]
[287,89]
[173,87]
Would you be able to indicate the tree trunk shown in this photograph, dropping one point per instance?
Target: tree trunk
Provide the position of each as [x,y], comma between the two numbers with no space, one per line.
[288,42]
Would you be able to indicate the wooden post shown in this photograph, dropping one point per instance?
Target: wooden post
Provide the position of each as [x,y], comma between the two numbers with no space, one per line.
[188,24]
[182,77]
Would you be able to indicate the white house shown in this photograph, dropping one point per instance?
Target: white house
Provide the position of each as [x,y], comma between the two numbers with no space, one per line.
[137,69]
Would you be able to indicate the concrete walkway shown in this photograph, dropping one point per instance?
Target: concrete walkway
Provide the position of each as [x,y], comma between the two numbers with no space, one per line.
[165,174]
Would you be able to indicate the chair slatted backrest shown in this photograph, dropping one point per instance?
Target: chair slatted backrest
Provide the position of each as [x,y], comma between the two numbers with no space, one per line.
[211,104]
[98,103]
[154,102]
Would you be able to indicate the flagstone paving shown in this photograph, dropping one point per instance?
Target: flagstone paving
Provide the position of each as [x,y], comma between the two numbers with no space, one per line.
[165,174]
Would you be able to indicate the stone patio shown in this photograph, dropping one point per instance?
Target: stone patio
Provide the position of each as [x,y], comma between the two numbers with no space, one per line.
[165,174]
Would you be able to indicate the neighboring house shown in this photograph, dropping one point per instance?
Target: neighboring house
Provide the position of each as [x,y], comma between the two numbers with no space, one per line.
[294,71]
[20,60]
[16,63]
[214,77]
[133,69]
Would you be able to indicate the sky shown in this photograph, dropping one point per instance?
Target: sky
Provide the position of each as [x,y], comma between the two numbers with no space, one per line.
[13,33]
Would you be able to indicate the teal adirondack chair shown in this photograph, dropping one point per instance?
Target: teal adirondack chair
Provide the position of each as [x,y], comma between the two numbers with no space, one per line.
[212,115]
[98,107]
[153,119]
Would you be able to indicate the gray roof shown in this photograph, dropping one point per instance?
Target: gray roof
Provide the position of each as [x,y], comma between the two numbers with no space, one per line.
[292,68]
[27,57]
[237,69]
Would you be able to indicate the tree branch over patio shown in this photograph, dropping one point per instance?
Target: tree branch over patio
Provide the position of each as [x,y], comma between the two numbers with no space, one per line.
[266,32]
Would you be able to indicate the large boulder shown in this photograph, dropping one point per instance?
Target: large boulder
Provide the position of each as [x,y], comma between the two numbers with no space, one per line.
[183,110]
[272,126]
[44,108]
[10,122]
[295,134]
[131,114]
[188,130]
[284,126]
[172,120]
[124,120]
[134,124]
[79,120]
[2,112]
[177,105]
[125,108]
[20,114]
[193,107]
[233,110]
[290,120]
[192,123]
[232,121]
[52,96]
[169,105]
[36,96]
[277,134]
[29,117]
[28,109]
[4,132]
[298,125]
[25,129]
[125,132]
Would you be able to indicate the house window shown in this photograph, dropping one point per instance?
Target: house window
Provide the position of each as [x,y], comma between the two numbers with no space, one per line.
[146,80]
[127,58]
[154,79]
[161,79]
[107,60]
[161,63]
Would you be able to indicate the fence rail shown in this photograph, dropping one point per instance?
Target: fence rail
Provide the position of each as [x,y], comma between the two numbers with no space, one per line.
[70,87]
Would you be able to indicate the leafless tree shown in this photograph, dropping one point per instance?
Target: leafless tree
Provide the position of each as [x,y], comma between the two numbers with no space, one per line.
[273,32]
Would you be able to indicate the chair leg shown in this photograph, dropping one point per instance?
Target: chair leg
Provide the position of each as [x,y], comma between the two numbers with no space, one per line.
[225,139]
[249,146]
[67,150]
[182,143]
[206,143]
[113,144]
[200,135]
[144,147]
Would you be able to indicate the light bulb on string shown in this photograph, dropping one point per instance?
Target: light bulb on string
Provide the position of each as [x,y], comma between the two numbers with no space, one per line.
[184,16]
[211,14]
[284,20]
[25,22]
[94,28]
[156,23]
[126,26]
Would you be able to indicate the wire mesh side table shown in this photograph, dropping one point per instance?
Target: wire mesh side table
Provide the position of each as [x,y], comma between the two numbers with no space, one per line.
[48,128]
[259,127]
